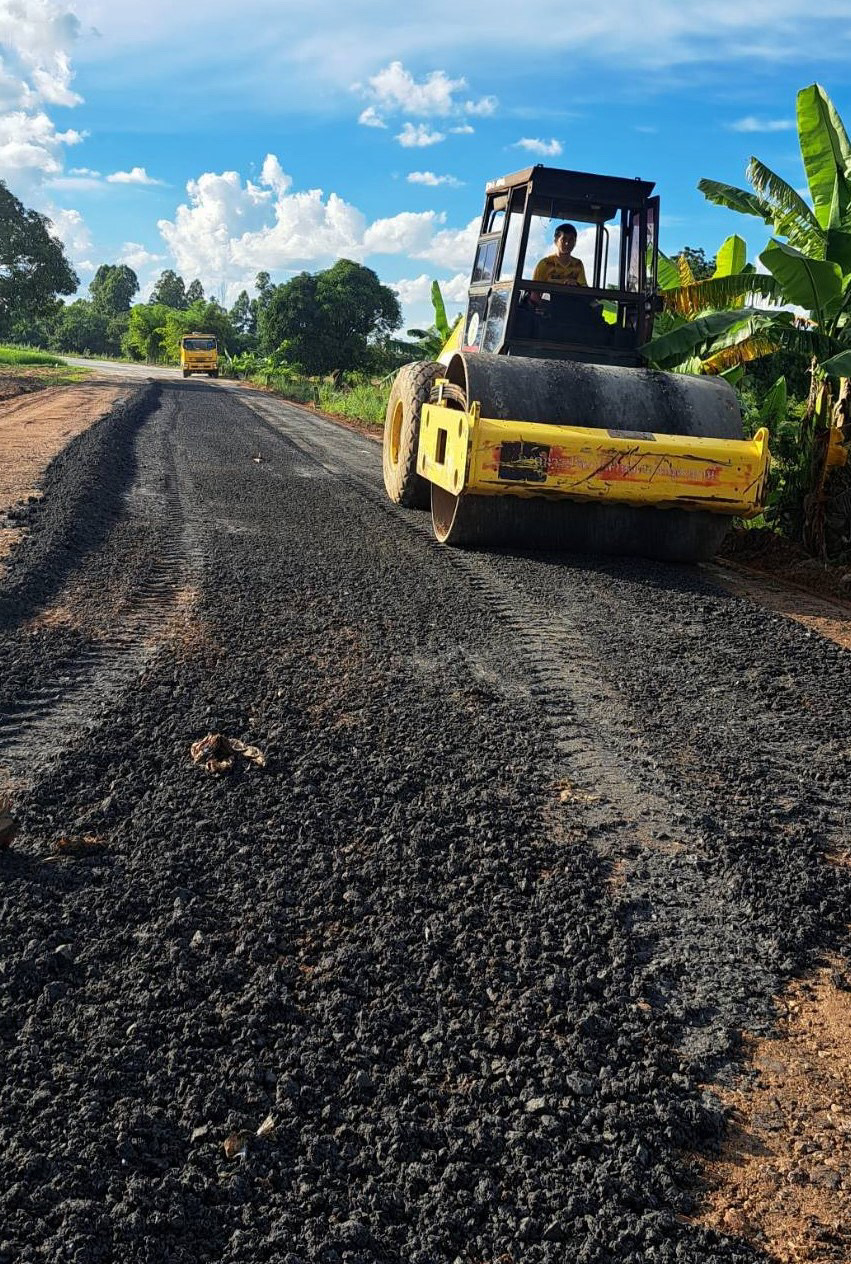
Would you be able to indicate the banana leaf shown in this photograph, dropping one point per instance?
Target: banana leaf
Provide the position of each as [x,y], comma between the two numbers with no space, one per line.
[772,410]
[441,323]
[721,292]
[667,275]
[749,338]
[736,199]
[677,344]
[838,365]
[793,218]
[684,272]
[814,284]
[738,354]
[731,258]
[838,249]
[825,149]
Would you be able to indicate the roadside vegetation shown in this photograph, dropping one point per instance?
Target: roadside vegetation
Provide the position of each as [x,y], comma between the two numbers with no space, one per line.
[29,356]
[782,335]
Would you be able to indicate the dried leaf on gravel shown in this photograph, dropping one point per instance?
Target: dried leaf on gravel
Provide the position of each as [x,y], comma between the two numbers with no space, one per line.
[218,753]
[85,845]
[236,1145]
[268,1127]
[8,824]
[571,794]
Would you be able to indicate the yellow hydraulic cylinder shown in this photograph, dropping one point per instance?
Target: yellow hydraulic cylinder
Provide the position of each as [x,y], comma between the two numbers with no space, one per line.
[463,452]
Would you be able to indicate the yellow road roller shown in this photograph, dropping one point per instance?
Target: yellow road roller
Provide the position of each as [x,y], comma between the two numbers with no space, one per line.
[538,425]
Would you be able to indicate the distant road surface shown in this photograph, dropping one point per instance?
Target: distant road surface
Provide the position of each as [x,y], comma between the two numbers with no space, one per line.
[117,369]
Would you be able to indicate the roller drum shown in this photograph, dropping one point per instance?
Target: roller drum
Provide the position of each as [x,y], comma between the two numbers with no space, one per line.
[604,397]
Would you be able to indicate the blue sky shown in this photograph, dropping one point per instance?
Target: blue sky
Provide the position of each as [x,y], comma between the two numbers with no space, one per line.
[222,139]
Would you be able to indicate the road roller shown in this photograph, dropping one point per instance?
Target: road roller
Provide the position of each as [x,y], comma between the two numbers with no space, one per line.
[539,424]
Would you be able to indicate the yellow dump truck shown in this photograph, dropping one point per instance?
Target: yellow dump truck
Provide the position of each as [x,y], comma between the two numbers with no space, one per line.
[199,353]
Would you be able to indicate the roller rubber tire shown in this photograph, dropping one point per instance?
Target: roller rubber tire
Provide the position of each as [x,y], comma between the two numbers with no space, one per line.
[411,389]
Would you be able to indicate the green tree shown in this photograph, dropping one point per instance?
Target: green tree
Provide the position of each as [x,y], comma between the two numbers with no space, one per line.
[82,327]
[33,266]
[146,331]
[328,320]
[112,288]
[194,293]
[169,291]
[243,318]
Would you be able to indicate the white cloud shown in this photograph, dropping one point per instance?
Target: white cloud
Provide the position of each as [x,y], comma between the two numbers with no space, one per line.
[71,229]
[415,297]
[409,233]
[84,171]
[397,91]
[464,129]
[418,137]
[371,118]
[753,124]
[31,148]
[482,108]
[432,180]
[136,175]
[274,176]
[452,247]
[36,38]
[137,257]
[229,229]
[546,148]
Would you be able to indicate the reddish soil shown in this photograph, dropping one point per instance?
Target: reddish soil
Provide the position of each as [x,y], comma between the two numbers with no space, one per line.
[34,427]
[783,1181]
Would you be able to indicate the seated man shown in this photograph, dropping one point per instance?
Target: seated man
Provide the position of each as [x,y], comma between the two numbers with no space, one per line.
[562,267]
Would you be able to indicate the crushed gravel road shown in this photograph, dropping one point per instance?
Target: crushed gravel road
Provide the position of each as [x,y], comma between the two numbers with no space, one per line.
[451,977]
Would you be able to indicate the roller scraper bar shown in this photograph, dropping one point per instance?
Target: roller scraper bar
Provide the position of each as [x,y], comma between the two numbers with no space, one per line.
[466,453]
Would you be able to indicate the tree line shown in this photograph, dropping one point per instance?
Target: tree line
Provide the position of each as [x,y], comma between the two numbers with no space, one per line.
[339,318]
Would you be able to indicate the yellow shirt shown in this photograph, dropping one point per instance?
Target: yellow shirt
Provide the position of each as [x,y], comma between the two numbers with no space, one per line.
[568,271]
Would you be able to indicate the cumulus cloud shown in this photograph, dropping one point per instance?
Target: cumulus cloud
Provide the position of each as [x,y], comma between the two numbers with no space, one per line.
[463,129]
[546,148]
[397,91]
[228,229]
[136,175]
[429,178]
[137,256]
[418,137]
[415,297]
[394,90]
[36,38]
[371,118]
[409,233]
[71,229]
[31,148]
[753,124]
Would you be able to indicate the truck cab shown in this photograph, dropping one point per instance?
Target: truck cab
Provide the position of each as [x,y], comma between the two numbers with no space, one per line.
[199,353]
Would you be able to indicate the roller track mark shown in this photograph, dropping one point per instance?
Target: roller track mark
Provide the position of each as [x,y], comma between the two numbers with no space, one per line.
[563,673]
[44,721]
[680,906]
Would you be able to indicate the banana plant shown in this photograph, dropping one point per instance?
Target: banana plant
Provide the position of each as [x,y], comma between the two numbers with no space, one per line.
[811,270]
[432,340]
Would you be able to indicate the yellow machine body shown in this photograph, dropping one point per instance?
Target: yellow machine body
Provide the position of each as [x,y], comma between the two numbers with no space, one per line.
[465,453]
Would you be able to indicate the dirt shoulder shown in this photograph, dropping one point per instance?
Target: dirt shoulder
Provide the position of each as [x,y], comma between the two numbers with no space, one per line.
[36,425]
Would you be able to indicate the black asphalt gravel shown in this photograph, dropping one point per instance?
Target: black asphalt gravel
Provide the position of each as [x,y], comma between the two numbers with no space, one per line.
[451,977]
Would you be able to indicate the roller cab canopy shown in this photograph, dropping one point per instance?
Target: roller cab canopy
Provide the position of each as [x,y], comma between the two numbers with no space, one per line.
[603,322]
